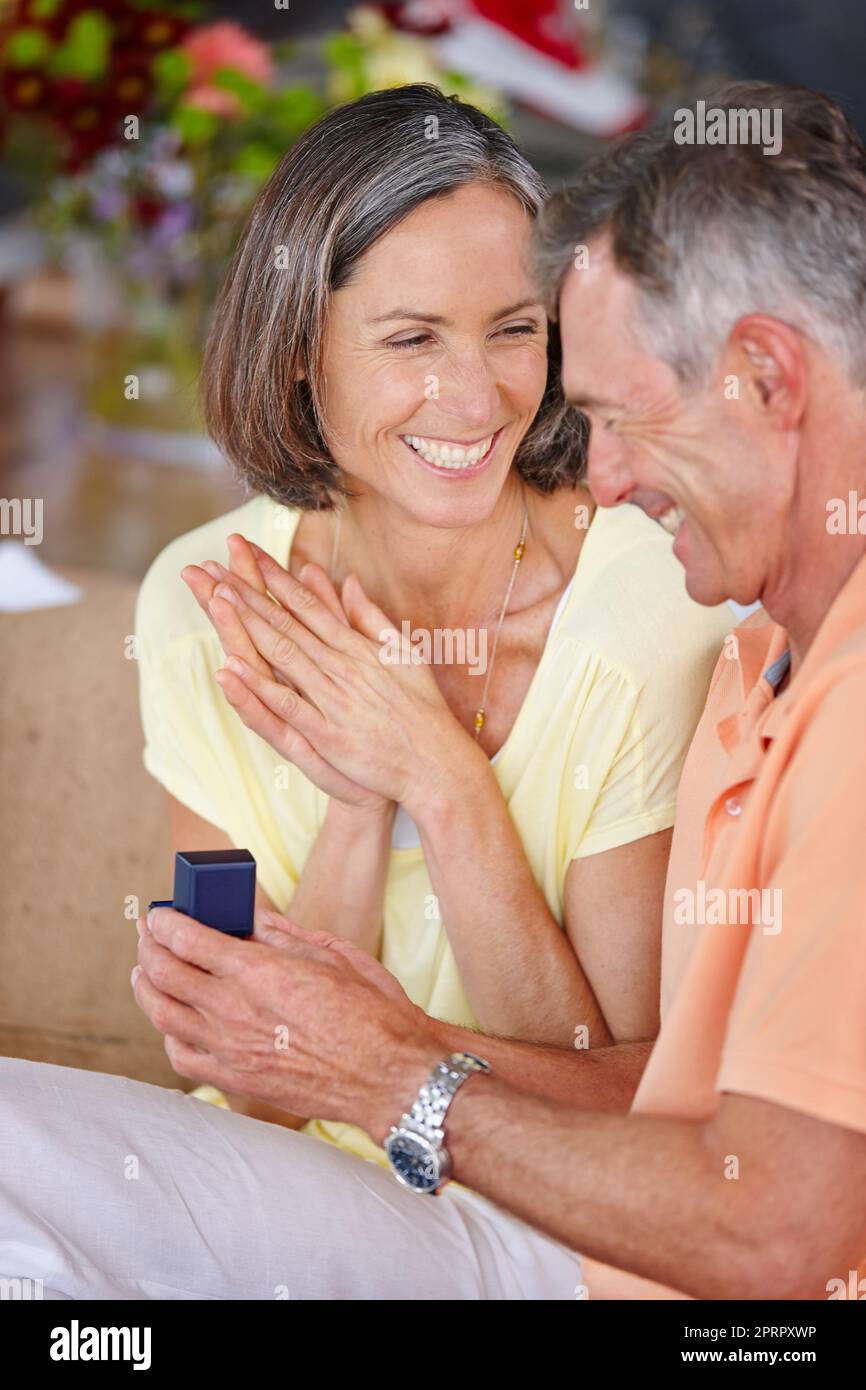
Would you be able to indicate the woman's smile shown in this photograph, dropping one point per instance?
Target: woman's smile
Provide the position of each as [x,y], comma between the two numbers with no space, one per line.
[450,459]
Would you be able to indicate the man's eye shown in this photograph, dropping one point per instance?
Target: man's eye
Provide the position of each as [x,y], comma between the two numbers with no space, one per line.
[417,341]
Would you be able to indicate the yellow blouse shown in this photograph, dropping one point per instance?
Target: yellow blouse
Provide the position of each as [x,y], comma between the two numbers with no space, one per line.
[592,761]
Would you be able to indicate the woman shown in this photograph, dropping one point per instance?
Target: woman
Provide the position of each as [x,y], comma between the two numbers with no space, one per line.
[493,822]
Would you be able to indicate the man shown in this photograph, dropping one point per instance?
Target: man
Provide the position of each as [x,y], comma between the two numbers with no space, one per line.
[712,300]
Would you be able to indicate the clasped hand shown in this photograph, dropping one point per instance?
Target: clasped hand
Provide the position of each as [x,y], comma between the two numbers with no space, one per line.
[305,670]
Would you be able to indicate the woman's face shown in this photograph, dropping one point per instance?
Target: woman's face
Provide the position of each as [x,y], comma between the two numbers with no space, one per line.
[436,358]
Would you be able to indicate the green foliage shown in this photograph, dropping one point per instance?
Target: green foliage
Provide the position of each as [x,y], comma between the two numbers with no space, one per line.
[256,160]
[171,73]
[346,55]
[26,48]
[86,48]
[194,126]
[45,9]
[250,95]
[293,109]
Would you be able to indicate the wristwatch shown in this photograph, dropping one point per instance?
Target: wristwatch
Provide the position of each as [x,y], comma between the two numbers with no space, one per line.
[415,1146]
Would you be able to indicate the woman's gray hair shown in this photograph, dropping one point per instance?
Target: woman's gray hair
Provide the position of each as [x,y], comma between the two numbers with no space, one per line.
[714,232]
[342,186]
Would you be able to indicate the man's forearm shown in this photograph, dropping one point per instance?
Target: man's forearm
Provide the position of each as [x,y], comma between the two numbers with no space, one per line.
[642,1193]
[600,1079]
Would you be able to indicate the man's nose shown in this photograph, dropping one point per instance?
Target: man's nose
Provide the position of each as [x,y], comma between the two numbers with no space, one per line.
[607,470]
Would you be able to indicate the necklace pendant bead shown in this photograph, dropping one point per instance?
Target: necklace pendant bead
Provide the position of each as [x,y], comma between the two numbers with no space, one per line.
[479,721]
[518,551]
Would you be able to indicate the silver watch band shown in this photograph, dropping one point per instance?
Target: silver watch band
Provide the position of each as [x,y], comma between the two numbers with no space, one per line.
[429,1111]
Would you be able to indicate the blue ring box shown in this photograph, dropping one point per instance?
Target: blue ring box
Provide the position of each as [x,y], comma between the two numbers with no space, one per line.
[216,887]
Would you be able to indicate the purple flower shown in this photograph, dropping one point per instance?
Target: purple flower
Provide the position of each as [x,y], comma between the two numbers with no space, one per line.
[175,222]
[106,204]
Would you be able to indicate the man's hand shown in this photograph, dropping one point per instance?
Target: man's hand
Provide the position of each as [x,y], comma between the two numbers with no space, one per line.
[302,1020]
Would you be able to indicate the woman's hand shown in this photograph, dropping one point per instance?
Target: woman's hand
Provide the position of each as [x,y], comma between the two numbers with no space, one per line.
[202,580]
[355,697]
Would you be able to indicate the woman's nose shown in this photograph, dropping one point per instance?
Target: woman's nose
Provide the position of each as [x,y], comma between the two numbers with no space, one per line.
[468,392]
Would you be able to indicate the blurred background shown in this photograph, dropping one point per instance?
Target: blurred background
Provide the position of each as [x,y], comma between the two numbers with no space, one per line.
[134,136]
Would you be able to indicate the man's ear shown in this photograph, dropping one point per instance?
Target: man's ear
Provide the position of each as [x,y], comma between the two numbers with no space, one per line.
[769,358]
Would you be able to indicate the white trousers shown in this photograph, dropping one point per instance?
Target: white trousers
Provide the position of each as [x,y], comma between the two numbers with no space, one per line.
[111,1188]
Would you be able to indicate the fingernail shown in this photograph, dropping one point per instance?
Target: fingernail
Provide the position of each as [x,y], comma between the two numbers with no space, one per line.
[212,568]
[136,971]
[227,592]
[235,664]
[150,920]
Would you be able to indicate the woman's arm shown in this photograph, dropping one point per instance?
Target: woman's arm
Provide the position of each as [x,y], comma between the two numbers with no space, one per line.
[387,728]
[342,887]
[524,976]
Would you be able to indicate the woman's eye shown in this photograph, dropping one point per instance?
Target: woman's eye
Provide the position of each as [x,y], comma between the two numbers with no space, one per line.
[512,330]
[417,341]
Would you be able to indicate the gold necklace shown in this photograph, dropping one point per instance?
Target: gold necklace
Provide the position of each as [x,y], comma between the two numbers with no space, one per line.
[481,715]
[519,549]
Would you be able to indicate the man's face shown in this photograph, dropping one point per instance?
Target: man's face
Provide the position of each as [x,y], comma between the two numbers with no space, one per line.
[701,459]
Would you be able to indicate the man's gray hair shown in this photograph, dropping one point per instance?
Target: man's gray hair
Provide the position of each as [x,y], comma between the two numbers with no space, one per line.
[714,232]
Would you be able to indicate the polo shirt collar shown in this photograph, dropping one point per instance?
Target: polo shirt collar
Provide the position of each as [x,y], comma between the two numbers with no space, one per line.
[763,664]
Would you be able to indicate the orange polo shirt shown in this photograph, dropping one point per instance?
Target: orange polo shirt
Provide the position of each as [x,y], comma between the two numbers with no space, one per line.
[764,936]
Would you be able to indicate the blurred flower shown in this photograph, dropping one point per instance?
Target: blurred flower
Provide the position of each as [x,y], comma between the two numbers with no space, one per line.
[227,45]
[24,89]
[165,208]
[108,204]
[148,210]
[369,24]
[156,30]
[215,100]
[173,178]
[129,81]
[373,55]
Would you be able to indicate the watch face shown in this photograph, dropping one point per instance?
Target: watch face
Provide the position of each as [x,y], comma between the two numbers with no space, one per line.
[414,1160]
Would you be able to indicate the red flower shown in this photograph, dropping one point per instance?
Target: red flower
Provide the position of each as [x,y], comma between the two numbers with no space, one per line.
[87,116]
[24,89]
[129,83]
[150,30]
[148,210]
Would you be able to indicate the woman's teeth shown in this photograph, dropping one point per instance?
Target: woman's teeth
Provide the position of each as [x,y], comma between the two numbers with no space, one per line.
[448,455]
[672,520]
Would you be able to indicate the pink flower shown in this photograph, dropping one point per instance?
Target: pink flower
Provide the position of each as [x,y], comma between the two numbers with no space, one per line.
[214,99]
[226,45]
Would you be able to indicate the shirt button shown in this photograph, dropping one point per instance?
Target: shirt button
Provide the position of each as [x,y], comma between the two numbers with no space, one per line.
[733,805]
